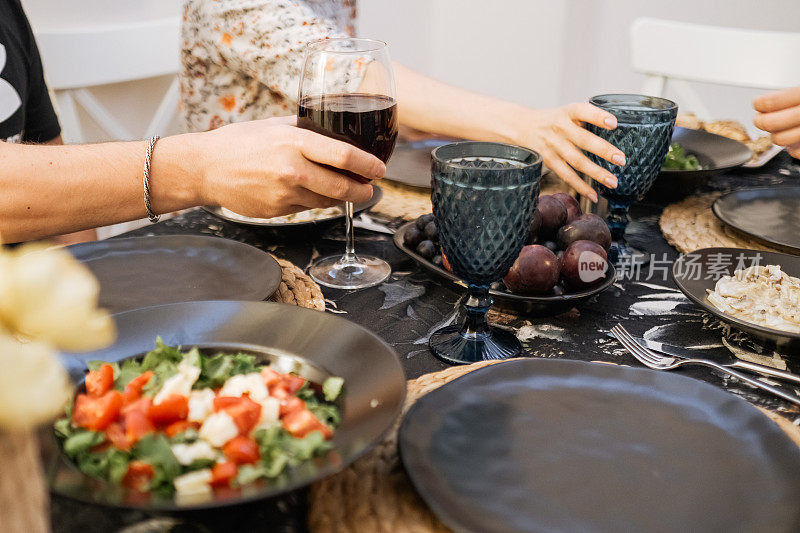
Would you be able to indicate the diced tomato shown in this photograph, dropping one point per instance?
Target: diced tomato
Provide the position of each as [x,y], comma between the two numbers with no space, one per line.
[244,411]
[103,446]
[279,392]
[292,383]
[138,475]
[242,450]
[179,427]
[100,381]
[142,404]
[116,434]
[96,413]
[290,405]
[271,378]
[137,425]
[223,473]
[133,390]
[301,423]
[171,409]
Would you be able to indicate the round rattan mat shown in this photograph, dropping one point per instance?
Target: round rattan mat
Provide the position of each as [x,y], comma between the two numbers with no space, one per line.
[297,288]
[690,225]
[374,494]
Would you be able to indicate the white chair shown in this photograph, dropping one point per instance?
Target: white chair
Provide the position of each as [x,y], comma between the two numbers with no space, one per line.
[77,59]
[679,52]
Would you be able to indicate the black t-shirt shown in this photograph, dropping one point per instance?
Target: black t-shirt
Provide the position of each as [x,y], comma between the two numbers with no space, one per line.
[26,113]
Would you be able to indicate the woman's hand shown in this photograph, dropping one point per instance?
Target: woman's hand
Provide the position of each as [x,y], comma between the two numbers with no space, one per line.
[779,115]
[558,135]
[270,167]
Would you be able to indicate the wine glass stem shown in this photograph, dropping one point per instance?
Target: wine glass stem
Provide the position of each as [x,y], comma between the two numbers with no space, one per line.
[350,246]
[477,305]
[617,221]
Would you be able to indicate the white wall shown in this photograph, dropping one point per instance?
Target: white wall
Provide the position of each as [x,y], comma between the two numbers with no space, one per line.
[551,52]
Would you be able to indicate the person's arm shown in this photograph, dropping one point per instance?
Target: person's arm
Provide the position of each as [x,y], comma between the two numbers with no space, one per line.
[263,168]
[429,105]
[779,115]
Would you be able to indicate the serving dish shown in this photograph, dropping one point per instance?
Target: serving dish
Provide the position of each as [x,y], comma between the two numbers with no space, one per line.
[556,445]
[144,271]
[546,305]
[697,272]
[312,344]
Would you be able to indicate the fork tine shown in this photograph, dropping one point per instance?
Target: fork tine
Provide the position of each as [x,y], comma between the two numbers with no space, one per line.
[643,355]
[650,355]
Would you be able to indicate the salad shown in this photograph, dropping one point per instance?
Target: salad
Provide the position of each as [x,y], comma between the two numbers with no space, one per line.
[677,159]
[185,424]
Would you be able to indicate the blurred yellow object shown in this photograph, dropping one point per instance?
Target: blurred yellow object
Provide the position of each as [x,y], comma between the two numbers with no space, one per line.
[48,302]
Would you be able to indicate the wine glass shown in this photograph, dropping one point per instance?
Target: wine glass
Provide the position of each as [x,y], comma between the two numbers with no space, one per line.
[347,93]
[484,195]
[643,133]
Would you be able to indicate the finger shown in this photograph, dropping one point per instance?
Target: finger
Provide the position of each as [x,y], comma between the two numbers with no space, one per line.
[778,120]
[775,101]
[586,112]
[310,200]
[565,172]
[290,120]
[577,160]
[331,184]
[786,137]
[594,144]
[338,154]
[794,150]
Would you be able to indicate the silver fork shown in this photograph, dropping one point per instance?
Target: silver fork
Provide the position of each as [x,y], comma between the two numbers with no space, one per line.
[651,359]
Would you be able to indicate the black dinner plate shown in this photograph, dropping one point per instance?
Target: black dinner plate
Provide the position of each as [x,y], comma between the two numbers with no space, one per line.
[532,305]
[716,154]
[311,343]
[695,281]
[767,214]
[558,445]
[293,230]
[144,271]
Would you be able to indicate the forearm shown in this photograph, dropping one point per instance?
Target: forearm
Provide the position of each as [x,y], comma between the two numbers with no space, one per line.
[48,190]
[429,105]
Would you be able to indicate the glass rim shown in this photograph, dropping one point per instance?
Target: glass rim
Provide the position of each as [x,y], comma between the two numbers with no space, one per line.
[375,45]
[537,157]
[670,105]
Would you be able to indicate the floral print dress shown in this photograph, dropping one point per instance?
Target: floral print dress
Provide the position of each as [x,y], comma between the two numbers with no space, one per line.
[242,59]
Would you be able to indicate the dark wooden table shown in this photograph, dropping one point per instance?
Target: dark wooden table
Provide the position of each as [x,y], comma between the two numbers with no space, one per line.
[412,304]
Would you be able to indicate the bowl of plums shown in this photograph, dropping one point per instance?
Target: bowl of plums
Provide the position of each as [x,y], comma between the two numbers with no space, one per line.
[562,266]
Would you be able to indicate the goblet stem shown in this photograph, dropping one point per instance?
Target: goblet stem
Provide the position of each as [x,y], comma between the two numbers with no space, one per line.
[617,220]
[350,241]
[477,305]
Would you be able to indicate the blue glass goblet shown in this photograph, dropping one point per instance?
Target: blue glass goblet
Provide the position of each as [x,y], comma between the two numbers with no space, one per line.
[643,133]
[484,195]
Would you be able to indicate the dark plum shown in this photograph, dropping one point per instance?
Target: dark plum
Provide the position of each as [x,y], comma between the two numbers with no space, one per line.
[423,220]
[586,227]
[437,260]
[431,233]
[426,249]
[554,215]
[572,205]
[584,264]
[413,237]
[536,226]
[534,272]
[550,245]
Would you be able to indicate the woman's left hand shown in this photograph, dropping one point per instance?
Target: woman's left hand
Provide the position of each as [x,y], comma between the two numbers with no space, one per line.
[779,115]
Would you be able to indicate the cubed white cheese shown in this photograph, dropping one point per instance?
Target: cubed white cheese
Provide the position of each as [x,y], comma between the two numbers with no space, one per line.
[218,429]
[251,384]
[193,486]
[201,404]
[188,453]
[270,409]
[181,383]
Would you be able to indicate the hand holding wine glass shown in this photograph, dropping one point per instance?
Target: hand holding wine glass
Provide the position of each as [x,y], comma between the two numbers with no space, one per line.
[347,93]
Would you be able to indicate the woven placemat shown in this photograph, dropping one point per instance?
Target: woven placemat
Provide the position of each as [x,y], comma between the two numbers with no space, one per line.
[690,225]
[297,288]
[374,494]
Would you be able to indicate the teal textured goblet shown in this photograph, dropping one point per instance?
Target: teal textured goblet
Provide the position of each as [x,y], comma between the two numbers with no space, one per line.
[483,198]
[643,133]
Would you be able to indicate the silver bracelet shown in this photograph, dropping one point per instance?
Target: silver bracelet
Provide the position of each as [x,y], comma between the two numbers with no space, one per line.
[147,158]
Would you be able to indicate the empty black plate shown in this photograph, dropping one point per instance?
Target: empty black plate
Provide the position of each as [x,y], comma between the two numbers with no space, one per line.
[698,272]
[555,445]
[768,214]
[310,343]
[144,271]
